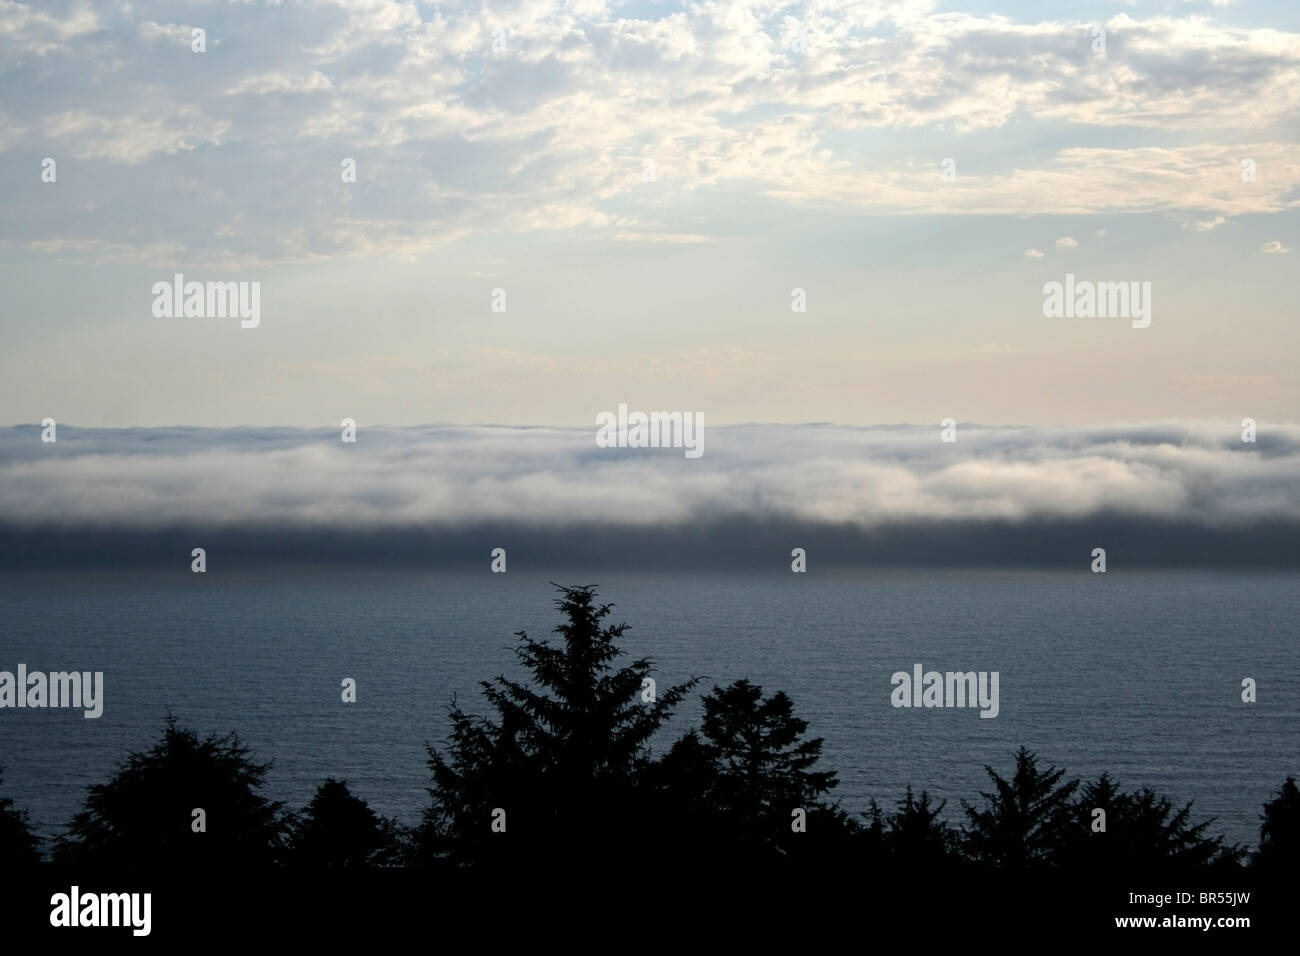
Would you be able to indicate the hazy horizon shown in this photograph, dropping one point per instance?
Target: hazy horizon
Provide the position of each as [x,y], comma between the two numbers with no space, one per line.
[1158,494]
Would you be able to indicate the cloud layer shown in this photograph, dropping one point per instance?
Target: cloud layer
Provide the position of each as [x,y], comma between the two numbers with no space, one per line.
[436,481]
[536,116]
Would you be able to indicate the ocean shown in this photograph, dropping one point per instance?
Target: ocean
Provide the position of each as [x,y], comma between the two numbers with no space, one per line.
[1136,673]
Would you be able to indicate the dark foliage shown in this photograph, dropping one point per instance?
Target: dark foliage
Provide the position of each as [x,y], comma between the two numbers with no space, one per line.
[1025,820]
[748,777]
[558,765]
[563,765]
[1279,834]
[18,845]
[1144,830]
[143,814]
[915,836]
[339,830]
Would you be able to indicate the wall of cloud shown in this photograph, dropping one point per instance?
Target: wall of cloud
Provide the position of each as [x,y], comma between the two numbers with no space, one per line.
[1176,492]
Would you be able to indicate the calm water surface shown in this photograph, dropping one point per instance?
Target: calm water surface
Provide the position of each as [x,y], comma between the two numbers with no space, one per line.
[1135,673]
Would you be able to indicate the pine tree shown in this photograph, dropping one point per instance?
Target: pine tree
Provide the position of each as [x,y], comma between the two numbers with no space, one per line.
[144,814]
[18,845]
[1025,820]
[560,759]
[339,830]
[1143,829]
[916,836]
[763,772]
[1279,834]
[872,838]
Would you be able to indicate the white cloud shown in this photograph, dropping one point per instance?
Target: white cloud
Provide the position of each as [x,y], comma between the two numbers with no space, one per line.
[453,139]
[1067,242]
[451,476]
[313,82]
[673,238]
[1033,254]
[1204,225]
[168,32]
[1274,247]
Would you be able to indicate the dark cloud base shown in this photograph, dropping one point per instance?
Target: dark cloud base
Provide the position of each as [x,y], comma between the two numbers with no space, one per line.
[722,544]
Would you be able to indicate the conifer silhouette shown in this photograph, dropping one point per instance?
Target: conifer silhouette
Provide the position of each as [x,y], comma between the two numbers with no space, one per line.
[1143,829]
[560,758]
[18,845]
[143,814]
[1279,834]
[1024,821]
[737,782]
[339,830]
[915,836]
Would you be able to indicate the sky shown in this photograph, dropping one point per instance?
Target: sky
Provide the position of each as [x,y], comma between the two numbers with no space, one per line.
[509,146]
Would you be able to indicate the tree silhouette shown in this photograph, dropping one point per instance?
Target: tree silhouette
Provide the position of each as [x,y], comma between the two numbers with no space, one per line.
[560,759]
[747,771]
[914,836]
[1024,821]
[677,792]
[18,845]
[1279,834]
[562,772]
[144,813]
[1143,829]
[339,830]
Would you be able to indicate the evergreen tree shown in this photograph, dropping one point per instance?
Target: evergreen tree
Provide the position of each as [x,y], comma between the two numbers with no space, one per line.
[1024,820]
[145,813]
[560,759]
[339,830]
[1143,829]
[871,844]
[677,794]
[915,836]
[1279,834]
[762,772]
[18,845]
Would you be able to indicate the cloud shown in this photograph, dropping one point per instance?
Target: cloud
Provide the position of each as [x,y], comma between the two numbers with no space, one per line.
[448,477]
[175,33]
[454,139]
[676,238]
[1033,254]
[1067,242]
[1273,247]
[1205,225]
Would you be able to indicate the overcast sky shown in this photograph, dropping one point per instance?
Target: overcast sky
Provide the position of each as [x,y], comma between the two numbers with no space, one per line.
[794,146]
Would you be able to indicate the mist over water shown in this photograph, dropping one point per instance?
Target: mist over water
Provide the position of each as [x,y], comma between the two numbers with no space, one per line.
[1137,673]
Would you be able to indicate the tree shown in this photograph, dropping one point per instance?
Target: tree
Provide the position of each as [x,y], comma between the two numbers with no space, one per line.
[558,766]
[1024,820]
[748,771]
[1143,829]
[678,792]
[18,845]
[914,836]
[339,830]
[146,813]
[1279,834]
